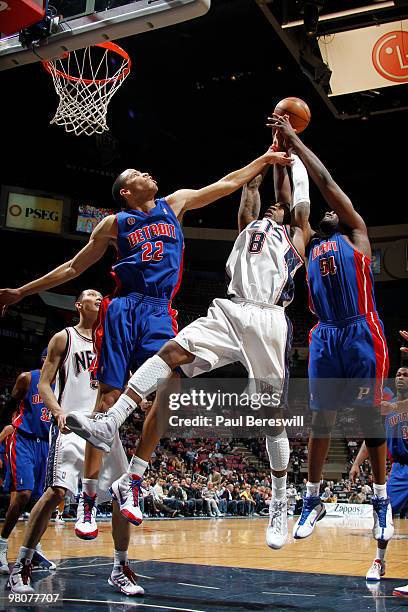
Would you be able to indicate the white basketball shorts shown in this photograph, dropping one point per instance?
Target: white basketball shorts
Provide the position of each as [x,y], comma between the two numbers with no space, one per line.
[254,334]
[66,459]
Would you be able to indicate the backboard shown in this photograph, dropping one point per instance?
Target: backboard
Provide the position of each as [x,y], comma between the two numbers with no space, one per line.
[86,22]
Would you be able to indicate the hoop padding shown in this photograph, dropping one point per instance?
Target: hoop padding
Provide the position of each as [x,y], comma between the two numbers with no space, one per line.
[85,81]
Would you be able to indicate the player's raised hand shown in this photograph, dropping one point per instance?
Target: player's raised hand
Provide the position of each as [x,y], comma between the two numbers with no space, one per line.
[278,157]
[404,334]
[282,125]
[278,143]
[8,297]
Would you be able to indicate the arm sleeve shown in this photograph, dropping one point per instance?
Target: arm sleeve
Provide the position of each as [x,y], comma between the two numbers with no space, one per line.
[300,182]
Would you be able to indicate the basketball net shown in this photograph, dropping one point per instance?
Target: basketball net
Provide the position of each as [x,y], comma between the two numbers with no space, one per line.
[85,81]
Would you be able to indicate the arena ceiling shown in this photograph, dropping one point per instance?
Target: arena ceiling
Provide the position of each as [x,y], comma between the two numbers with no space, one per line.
[195,108]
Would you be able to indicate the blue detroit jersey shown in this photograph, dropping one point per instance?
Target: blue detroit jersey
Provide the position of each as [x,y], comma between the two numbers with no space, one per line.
[396,428]
[150,252]
[340,280]
[33,417]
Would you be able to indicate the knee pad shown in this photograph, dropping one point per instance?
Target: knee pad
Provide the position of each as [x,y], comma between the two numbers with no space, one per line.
[145,380]
[278,451]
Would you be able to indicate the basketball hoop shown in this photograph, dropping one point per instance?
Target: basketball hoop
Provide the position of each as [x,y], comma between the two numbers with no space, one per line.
[85,81]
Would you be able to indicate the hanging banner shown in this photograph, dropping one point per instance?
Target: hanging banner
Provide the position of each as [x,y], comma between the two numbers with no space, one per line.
[367,58]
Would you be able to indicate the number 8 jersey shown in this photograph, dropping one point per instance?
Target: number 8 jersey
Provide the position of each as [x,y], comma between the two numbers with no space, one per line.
[262,264]
[340,279]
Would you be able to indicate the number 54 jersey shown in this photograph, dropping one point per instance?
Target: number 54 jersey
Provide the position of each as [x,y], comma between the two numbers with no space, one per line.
[340,280]
[262,264]
[348,342]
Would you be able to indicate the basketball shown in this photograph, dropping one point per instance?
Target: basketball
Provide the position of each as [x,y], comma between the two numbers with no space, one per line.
[298,111]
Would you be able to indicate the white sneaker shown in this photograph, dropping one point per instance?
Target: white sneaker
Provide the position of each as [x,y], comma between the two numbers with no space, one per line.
[85,526]
[99,431]
[125,580]
[401,591]
[277,530]
[313,510]
[20,577]
[383,528]
[376,571]
[4,568]
[126,491]
[41,561]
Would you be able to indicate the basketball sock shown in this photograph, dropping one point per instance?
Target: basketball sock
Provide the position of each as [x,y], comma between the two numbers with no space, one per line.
[312,489]
[380,490]
[146,379]
[279,488]
[89,486]
[120,558]
[380,554]
[300,182]
[122,409]
[137,467]
[278,451]
[25,553]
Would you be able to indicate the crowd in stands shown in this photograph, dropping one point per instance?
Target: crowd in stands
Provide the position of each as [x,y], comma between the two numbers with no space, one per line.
[214,477]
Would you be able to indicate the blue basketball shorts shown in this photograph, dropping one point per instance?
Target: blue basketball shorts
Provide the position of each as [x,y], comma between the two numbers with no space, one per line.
[26,464]
[353,351]
[397,487]
[130,329]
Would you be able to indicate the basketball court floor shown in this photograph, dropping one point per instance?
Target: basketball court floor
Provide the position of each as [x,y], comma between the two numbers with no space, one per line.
[219,565]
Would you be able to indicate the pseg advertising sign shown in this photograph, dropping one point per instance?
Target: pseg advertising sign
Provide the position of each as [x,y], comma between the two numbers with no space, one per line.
[34,213]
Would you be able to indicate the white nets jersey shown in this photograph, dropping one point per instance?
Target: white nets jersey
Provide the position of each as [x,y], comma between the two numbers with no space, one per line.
[262,264]
[74,388]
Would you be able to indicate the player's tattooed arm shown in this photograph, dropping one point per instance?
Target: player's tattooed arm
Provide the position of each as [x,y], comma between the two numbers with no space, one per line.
[250,204]
[55,355]
[98,243]
[189,199]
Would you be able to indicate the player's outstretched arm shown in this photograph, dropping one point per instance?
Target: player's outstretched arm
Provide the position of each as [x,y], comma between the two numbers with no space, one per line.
[334,196]
[250,204]
[91,253]
[55,355]
[355,468]
[188,199]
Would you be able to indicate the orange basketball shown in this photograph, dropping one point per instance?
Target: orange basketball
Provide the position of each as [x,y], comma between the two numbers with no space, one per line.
[298,111]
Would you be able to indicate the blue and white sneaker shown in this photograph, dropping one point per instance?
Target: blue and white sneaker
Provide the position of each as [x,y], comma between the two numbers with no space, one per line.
[313,510]
[383,528]
[40,561]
